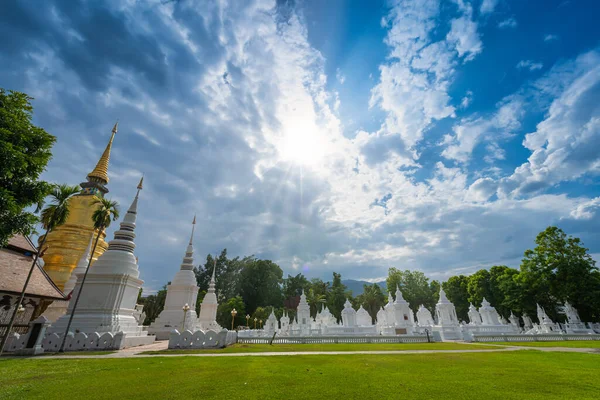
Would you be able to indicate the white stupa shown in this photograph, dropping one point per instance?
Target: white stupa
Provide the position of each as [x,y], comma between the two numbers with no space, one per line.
[474,316]
[489,315]
[59,308]
[208,309]
[447,325]
[404,319]
[424,317]
[363,318]
[348,315]
[181,291]
[303,312]
[108,298]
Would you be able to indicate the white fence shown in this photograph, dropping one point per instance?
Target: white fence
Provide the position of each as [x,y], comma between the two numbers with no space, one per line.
[334,339]
[533,338]
[74,342]
[201,340]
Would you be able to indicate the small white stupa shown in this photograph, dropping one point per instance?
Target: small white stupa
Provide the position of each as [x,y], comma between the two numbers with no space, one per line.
[363,318]
[403,316]
[59,308]
[108,298]
[181,291]
[285,323]
[271,325]
[424,317]
[348,315]
[208,309]
[447,322]
[303,312]
[489,315]
[474,316]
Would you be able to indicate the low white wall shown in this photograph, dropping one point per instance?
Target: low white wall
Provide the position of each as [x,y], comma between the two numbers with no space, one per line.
[75,342]
[533,338]
[201,340]
[334,339]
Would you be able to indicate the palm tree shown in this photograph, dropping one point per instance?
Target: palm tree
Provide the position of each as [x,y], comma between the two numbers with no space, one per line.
[314,299]
[52,216]
[107,211]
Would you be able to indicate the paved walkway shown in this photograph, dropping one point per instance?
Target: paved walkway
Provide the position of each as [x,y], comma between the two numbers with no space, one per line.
[135,352]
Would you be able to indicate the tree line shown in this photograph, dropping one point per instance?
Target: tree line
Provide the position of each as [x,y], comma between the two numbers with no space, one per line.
[558,269]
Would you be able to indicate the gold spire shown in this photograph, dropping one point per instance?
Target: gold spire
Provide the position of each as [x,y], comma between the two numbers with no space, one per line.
[141,184]
[194,221]
[101,171]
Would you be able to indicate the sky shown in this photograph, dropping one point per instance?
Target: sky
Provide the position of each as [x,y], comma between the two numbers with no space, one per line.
[347,136]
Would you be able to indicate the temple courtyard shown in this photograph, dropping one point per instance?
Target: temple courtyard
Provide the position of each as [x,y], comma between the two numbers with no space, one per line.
[361,371]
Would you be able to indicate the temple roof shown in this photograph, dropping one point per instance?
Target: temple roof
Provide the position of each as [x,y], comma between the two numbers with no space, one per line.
[15,261]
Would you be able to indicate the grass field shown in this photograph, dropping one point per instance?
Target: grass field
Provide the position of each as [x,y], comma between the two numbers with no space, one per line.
[582,344]
[502,375]
[260,348]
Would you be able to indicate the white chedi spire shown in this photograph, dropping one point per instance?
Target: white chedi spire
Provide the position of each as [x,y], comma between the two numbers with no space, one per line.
[212,284]
[188,258]
[124,236]
[443,299]
[399,297]
[81,267]
[119,257]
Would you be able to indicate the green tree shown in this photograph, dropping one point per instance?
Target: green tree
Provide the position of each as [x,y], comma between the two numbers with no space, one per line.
[25,149]
[293,286]
[260,282]
[372,299]
[415,287]
[54,215]
[337,296]
[560,269]
[154,304]
[224,312]
[479,288]
[315,301]
[106,212]
[456,289]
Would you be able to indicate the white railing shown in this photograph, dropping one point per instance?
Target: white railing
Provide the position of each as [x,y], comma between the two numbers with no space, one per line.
[201,340]
[533,338]
[333,339]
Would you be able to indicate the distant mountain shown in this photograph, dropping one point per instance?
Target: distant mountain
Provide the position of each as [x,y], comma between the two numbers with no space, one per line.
[357,286]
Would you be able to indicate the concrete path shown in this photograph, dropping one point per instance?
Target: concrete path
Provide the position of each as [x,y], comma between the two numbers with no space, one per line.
[135,352]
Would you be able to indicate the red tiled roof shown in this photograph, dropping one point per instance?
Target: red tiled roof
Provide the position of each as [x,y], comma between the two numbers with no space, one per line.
[14,267]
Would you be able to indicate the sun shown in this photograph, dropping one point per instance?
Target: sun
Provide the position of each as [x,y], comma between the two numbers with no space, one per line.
[302,144]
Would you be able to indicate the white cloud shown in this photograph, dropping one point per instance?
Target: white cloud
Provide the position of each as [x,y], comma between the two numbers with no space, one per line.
[507,23]
[563,144]
[467,99]
[463,34]
[550,37]
[529,65]
[471,131]
[488,6]
[341,78]
[413,89]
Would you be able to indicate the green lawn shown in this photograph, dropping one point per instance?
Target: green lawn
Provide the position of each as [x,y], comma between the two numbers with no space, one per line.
[502,375]
[260,348]
[582,344]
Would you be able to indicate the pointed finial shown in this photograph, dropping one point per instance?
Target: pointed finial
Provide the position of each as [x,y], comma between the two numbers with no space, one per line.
[214,269]
[193,227]
[100,172]
[140,185]
[114,129]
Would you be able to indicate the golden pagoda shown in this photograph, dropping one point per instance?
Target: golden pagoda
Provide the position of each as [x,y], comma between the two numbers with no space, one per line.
[65,245]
